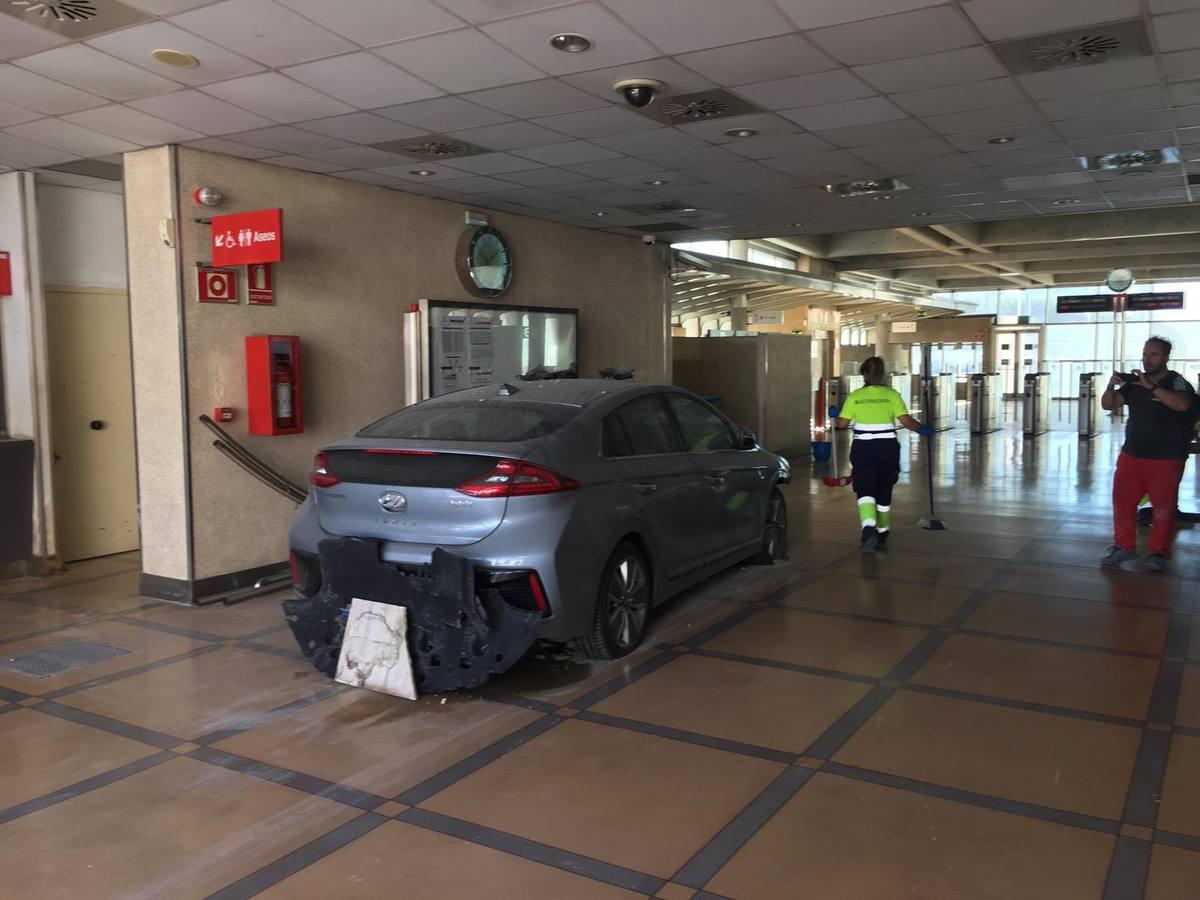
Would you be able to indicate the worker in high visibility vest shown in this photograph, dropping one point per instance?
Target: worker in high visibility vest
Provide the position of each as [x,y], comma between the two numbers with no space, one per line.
[874,409]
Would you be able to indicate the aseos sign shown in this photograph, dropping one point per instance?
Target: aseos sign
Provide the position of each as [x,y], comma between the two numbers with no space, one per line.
[246,238]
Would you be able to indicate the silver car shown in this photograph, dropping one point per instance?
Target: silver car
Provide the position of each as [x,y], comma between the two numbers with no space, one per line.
[577,505]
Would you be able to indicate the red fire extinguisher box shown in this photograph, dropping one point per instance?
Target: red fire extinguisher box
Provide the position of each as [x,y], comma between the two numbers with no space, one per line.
[273,396]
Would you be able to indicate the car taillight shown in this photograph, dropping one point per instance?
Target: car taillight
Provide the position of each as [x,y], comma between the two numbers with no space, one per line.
[510,478]
[292,563]
[320,475]
[539,595]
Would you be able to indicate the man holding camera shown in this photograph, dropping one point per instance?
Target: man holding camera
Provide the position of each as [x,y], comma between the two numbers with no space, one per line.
[1162,412]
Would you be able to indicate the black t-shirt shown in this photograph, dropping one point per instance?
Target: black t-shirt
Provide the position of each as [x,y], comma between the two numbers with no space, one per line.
[1154,430]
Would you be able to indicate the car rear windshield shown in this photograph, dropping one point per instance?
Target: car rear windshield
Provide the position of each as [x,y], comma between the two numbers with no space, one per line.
[507,422]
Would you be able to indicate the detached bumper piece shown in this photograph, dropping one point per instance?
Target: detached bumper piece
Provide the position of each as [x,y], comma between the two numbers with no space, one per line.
[457,637]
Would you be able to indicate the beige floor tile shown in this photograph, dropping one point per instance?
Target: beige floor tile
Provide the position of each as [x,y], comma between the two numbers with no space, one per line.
[1134,588]
[818,554]
[934,568]
[1053,761]
[558,676]
[1188,713]
[147,646]
[398,860]
[827,642]
[282,640]
[956,542]
[40,754]
[19,619]
[631,799]
[840,839]
[902,600]
[75,573]
[204,693]
[181,830]
[1180,806]
[113,593]
[1073,621]
[1194,643]
[378,743]
[1174,874]
[739,702]
[1076,679]
[227,621]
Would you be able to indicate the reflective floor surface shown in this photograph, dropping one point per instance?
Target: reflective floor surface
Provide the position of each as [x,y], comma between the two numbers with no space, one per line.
[978,713]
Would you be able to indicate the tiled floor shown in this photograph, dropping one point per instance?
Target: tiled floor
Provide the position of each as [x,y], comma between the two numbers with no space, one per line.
[977,713]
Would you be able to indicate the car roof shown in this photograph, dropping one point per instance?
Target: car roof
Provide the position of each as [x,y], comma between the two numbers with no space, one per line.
[571,391]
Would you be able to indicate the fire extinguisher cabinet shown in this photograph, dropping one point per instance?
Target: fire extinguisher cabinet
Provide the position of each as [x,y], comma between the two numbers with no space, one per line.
[273,396]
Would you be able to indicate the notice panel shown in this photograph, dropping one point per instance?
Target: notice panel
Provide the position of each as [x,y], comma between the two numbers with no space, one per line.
[1086,303]
[245,238]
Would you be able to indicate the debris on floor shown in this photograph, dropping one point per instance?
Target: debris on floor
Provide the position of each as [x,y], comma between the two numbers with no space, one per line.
[374,652]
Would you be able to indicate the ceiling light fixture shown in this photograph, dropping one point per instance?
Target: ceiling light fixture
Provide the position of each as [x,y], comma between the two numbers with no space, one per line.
[570,43]
[867,187]
[423,173]
[599,212]
[1001,140]
[885,197]
[922,215]
[177,58]
[656,182]
[741,132]
[1069,201]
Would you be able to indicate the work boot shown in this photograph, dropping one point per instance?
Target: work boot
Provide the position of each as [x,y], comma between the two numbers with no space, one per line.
[1156,563]
[882,543]
[1117,555]
[870,539]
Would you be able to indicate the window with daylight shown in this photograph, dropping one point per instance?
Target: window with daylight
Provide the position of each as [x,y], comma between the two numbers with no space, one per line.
[763,258]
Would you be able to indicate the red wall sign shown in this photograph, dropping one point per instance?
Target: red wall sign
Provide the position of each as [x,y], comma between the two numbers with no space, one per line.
[216,285]
[260,289]
[5,274]
[243,238]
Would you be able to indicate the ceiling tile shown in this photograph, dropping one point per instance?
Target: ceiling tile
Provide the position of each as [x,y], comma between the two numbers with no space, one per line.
[357,158]
[534,98]
[763,123]
[867,135]
[230,148]
[263,30]
[375,178]
[1183,65]
[528,36]
[894,37]
[460,61]
[1183,93]
[954,162]
[847,114]
[675,26]
[135,45]
[593,187]
[543,176]
[660,140]
[1170,6]
[834,165]
[999,120]
[1025,137]
[677,78]
[920,73]
[1096,79]
[200,112]
[818,13]
[1000,20]
[1177,32]
[1120,143]
[1114,103]
[1065,166]
[672,181]
[743,175]
[1016,154]
[495,164]
[304,163]
[362,128]
[408,172]
[369,22]
[537,198]
[285,139]
[277,97]
[764,60]
[132,125]
[20,39]
[363,80]
[70,138]
[691,159]
[1187,117]
[615,168]
[166,7]
[570,152]
[80,65]
[772,146]
[13,115]
[444,114]
[479,11]
[477,184]
[806,90]
[1093,128]
[26,154]
[594,123]
[961,98]
[888,153]
[510,136]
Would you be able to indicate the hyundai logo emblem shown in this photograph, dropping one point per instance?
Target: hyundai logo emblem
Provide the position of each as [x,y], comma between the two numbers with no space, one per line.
[393,501]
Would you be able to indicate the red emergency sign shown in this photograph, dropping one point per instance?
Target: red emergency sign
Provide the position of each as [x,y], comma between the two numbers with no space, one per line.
[244,238]
[260,290]
[5,274]
[216,285]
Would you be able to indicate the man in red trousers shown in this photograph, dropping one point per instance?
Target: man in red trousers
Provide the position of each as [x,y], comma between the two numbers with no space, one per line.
[1162,411]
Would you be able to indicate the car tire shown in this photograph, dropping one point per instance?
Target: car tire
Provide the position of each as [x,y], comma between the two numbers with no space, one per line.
[774,541]
[622,606]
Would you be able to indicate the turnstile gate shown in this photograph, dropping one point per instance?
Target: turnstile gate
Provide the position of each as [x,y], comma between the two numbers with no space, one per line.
[1036,403]
[901,383]
[986,409]
[941,396]
[1091,389]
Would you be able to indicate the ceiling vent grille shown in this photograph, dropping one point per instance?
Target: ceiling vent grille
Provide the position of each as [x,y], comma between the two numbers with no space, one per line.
[1068,49]
[703,106]
[76,19]
[431,148]
[1130,160]
[875,186]
[666,208]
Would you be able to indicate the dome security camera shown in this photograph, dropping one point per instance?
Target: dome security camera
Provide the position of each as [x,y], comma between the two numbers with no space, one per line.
[649,239]
[639,92]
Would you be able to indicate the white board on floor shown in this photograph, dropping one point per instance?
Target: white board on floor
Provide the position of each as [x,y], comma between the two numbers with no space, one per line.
[374,649]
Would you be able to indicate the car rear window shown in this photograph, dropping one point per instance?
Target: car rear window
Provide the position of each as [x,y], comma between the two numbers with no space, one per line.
[507,422]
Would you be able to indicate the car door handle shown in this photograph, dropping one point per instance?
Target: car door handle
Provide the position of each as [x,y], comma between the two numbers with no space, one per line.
[644,488]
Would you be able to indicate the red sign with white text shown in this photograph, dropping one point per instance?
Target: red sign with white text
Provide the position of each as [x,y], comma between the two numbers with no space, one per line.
[5,274]
[244,238]
[260,289]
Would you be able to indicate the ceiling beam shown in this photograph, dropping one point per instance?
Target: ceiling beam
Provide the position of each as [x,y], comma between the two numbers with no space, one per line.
[1130,223]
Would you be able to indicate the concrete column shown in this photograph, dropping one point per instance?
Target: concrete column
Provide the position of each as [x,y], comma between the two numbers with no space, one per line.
[739,313]
[739,250]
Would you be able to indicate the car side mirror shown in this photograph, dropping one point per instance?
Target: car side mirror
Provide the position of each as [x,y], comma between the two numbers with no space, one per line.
[749,441]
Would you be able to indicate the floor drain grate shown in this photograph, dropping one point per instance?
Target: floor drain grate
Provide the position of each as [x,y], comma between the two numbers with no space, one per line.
[47,662]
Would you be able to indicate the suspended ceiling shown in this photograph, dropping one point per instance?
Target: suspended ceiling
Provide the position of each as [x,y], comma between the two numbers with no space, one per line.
[844,90]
